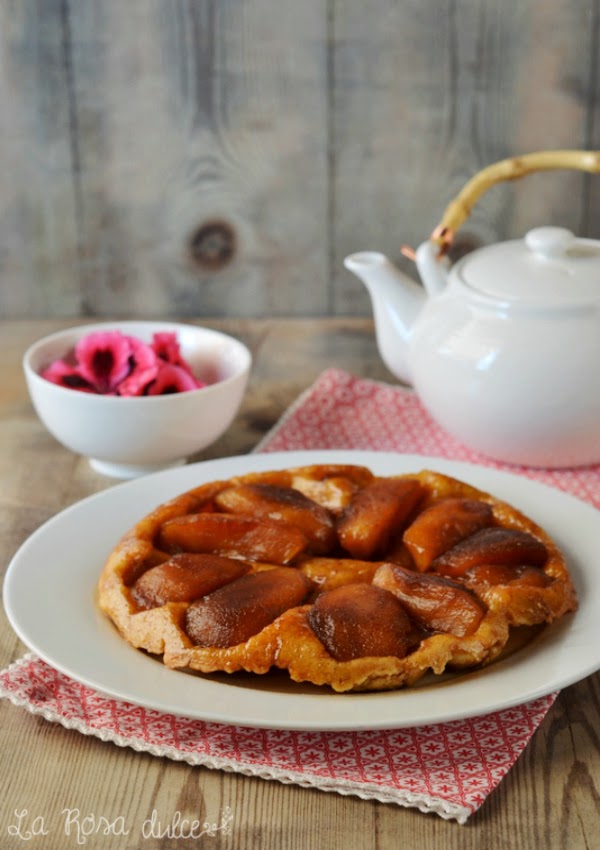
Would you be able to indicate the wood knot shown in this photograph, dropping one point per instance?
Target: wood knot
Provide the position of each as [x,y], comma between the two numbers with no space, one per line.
[213,245]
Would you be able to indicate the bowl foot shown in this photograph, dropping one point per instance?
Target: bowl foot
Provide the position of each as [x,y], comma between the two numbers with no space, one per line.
[130,470]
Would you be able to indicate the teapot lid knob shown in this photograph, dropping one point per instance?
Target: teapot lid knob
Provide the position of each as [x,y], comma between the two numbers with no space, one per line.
[549,242]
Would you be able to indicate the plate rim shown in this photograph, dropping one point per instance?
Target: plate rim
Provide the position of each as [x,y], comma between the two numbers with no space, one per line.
[182,478]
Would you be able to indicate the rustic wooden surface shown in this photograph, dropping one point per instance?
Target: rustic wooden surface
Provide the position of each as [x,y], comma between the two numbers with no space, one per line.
[220,157]
[550,799]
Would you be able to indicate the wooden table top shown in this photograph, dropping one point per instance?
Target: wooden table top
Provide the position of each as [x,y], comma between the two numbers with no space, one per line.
[550,799]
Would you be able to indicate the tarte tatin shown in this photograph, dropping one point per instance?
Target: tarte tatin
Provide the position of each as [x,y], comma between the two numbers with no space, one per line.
[338,576]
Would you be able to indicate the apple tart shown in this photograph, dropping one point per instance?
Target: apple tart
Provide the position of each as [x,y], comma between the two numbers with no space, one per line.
[340,577]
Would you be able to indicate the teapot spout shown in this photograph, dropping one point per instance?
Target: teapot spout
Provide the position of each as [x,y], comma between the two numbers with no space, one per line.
[397,301]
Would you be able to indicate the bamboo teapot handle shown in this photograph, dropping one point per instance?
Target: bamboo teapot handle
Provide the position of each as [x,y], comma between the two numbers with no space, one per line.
[460,208]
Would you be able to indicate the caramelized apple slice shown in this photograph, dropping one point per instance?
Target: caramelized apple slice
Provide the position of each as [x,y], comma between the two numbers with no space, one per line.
[327,573]
[234,536]
[375,514]
[399,553]
[359,620]
[442,526]
[485,576]
[492,546]
[185,577]
[333,493]
[236,612]
[435,603]
[282,504]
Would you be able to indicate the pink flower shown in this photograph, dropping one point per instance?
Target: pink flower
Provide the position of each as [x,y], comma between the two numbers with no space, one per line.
[167,348]
[111,363]
[103,359]
[144,366]
[173,379]
[67,376]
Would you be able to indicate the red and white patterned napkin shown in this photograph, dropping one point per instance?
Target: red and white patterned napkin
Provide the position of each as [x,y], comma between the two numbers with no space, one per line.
[448,768]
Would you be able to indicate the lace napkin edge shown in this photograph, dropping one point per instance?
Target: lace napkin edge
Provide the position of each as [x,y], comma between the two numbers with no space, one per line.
[365,791]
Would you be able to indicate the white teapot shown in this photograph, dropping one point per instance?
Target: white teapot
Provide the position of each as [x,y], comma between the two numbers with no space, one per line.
[503,348]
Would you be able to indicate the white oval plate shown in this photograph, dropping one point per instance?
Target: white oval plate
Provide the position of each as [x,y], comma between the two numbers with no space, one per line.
[49,596]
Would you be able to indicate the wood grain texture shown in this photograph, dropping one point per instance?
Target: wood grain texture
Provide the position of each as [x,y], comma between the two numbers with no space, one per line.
[198,124]
[39,269]
[429,94]
[221,157]
[549,799]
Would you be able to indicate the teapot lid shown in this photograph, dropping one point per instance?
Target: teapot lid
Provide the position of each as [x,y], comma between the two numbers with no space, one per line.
[550,266]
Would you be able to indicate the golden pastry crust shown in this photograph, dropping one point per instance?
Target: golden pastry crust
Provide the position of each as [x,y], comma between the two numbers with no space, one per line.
[414,537]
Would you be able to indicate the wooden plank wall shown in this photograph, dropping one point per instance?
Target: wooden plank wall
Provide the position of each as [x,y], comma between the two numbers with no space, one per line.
[220,157]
